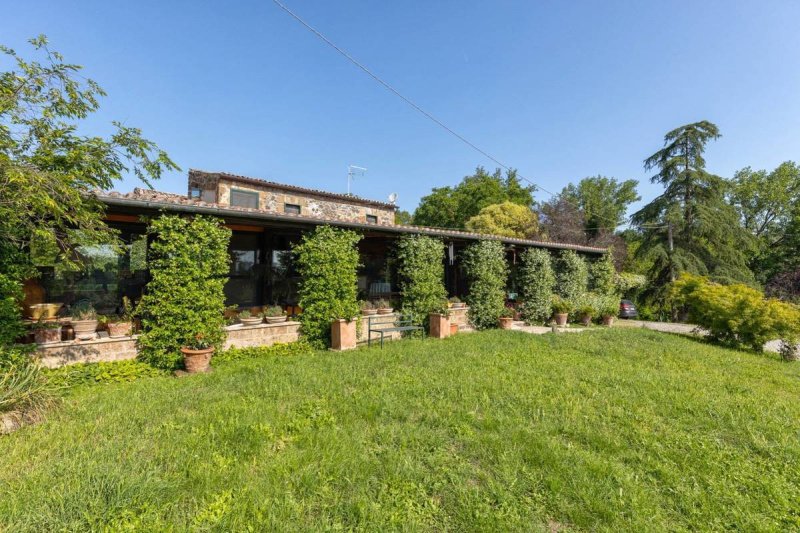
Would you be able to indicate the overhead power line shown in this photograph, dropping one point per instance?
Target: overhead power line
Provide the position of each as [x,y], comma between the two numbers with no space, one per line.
[411,103]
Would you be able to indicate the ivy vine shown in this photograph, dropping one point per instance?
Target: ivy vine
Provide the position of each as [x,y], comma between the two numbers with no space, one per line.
[421,272]
[487,274]
[537,281]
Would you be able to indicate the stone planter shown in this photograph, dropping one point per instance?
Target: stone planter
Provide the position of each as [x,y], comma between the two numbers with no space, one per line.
[275,319]
[608,320]
[439,326]
[385,310]
[453,329]
[561,319]
[85,329]
[586,320]
[119,329]
[506,322]
[47,335]
[197,361]
[251,321]
[343,335]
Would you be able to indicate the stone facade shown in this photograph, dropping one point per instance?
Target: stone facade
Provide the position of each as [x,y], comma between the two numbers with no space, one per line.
[108,349]
[273,197]
[459,316]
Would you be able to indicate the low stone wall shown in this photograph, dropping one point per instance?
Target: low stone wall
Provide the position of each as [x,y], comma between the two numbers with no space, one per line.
[108,349]
[459,316]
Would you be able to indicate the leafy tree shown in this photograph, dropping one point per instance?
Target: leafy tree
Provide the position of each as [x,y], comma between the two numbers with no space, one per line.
[604,201]
[572,275]
[487,274]
[536,280]
[506,219]
[403,217]
[421,272]
[48,170]
[185,297]
[451,207]
[327,260]
[690,227]
[562,221]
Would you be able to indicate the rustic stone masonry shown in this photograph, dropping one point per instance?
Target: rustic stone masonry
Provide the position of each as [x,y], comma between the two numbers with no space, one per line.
[108,349]
[459,316]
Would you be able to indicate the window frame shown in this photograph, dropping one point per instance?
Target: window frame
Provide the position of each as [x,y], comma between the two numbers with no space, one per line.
[255,194]
[372,219]
[286,205]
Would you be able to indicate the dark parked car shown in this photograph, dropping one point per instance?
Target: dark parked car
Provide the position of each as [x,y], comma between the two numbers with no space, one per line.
[627,309]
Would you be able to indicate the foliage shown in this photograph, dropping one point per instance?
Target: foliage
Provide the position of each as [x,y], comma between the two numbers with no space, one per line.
[628,281]
[704,229]
[327,261]
[84,312]
[607,304]
[103,372]
[188,264]
[603,275]
[536,281]
[736,315]
[403,218]
[572,275]
[604,201]
[454,300]
[24,391]
[274,311]
[785,286]
[560,305]
[507,312]
[366,305]
[588,304]
[487,273]
[300,347]
[303,441]
[421,272]
[11,326]
[561,220]
[507,220]
[452,207]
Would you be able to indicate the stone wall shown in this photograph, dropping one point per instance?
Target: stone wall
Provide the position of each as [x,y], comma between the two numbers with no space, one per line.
[273,199]
[459,316]
[108,349]
[207,183]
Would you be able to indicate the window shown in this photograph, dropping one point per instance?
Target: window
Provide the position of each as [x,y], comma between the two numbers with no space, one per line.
[292,209]
[372,219]
[240,198]
[195,192]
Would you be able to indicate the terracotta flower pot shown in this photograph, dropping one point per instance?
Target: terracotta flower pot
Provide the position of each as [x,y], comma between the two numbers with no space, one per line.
[369,312]
[385,310]
[506,322]
[561,319]
[196,361]
[586,320]
[85,329]
[251,321]
[608,320]
[119,329]
[275,319]
[438,325]
[453,329]
[47,336]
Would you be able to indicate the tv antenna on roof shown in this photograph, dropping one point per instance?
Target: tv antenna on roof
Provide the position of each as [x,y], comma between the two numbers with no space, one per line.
[352,171]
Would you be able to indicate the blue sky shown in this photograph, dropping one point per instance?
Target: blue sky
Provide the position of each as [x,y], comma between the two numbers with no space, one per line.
[559,90]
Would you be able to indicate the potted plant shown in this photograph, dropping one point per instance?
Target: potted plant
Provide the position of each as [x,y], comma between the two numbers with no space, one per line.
[368,308]
[247,318]
[561,309]
[122,324]
[587,309]
[506,318]
[608,308]
[439,321]
[456,302]
[84,322]
[274,314]
[384,307]
[47,331]
[197,354]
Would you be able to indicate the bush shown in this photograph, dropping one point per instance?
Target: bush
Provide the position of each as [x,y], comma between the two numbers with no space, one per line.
[487,273]
[421,272]
[327,261]
[24,393]
[603,275]
[736,315]
[300,347]
[185,297]
[572,275]
[103,372]
[536,280]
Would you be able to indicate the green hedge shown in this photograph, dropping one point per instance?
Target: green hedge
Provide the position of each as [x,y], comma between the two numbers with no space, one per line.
[421,272]
[603,275]
[487,274]
[536,280]
[572,275]
[327,260]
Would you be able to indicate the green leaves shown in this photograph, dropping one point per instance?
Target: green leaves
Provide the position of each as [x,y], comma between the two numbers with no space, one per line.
[421,270]
[487,273]
[572,275]
[185,297]
[327,261]
[536,280]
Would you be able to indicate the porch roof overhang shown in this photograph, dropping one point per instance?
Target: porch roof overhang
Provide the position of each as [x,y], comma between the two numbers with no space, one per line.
[123,204]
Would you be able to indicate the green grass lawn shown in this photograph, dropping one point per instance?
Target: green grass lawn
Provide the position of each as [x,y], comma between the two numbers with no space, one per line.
[605,430]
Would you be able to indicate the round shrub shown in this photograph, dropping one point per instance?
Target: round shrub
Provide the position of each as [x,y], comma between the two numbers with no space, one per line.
[189,264]
[421,272]
[327,260]
[536,280]
[572,275]
[487,273]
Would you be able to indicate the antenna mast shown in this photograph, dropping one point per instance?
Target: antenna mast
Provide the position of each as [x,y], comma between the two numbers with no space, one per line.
[352,170]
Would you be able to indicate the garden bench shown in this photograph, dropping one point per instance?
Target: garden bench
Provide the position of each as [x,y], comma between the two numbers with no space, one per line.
[390,324]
